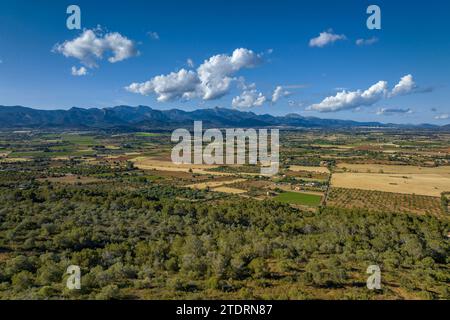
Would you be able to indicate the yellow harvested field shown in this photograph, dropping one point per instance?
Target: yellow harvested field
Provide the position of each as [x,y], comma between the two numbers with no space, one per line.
[148,163]
[426,184]
[309,169]
[214,184]
[396,169]
[229,190]
[112,147]
[61,158]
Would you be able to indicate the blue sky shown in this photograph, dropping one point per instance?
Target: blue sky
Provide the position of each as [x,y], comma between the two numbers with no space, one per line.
[239,52]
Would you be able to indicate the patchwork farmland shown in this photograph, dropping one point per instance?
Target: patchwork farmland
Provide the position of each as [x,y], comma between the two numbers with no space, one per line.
[118,205]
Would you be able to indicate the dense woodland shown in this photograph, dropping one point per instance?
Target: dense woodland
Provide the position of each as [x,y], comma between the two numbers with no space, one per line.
[139,234]
[144,243]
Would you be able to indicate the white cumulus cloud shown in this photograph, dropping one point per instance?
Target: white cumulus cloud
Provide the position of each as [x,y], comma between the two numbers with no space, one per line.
[82,71]
[91,46]
[325,38]
[216,73]
[279,93]
[249,98]
[345,100]
[352,99]
[212,79]
[175,85]
[405,86]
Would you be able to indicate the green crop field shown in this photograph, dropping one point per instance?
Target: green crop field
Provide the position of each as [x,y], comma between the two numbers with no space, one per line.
[78,139]
[147,134]
[299,198]
[52,154]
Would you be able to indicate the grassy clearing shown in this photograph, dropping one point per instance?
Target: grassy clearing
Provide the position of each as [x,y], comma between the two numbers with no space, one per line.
[305,199]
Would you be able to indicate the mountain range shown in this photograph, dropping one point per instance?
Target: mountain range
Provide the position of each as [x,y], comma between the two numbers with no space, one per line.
[146,118]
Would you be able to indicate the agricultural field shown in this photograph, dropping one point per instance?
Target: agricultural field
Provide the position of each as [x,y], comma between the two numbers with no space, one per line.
[423,184]
[150,163]
[299,198]
[392,169]
[144,228]
[378,201]
[244,151]
[309,169]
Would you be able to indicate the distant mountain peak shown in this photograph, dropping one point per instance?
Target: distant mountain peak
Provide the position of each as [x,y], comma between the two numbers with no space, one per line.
[145,118]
